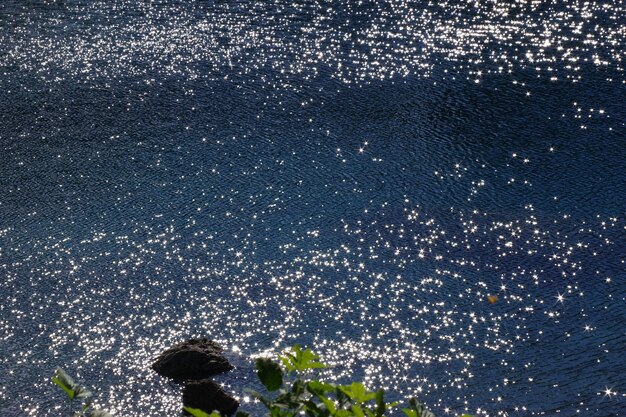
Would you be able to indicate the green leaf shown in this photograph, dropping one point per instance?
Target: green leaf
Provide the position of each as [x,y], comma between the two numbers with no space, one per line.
[357,411]
[342,398]
[82,392]
[242,414]
[298,387]
[318,387]
[330,405]
[300,360]
[64,381]
[311,408]
[68,385]
[381,407]
[100,413]
[196,412]
[357,392]
[269,373]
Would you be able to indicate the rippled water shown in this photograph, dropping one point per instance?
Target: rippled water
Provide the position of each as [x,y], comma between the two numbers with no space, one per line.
[356,176]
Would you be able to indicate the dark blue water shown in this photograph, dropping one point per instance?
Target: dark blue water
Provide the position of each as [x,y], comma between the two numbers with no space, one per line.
[358,178]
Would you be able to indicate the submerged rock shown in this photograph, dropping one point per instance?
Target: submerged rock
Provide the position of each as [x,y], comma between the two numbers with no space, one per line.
[194,359]
[208,396]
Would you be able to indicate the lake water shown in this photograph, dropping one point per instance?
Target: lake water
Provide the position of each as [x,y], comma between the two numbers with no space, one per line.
[359,177]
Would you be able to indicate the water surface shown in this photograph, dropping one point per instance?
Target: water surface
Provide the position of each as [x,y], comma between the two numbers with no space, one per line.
[357,177]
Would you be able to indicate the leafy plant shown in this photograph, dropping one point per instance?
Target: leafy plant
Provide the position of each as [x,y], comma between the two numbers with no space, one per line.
[74,391]
[300,360]
[269,374]
[196,412]
[290,395]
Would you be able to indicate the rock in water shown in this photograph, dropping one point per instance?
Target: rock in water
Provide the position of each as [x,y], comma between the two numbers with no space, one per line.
[194,359]
[208,396]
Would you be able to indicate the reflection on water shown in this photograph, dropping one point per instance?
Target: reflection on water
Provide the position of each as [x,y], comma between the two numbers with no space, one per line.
[429,194]
[353,40]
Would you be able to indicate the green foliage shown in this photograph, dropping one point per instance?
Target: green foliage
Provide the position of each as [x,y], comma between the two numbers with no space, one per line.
[74,391]
[357,392]
[300,360]
[287,397]
[68,385]
[269,373]
[195,412]
[314,398]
